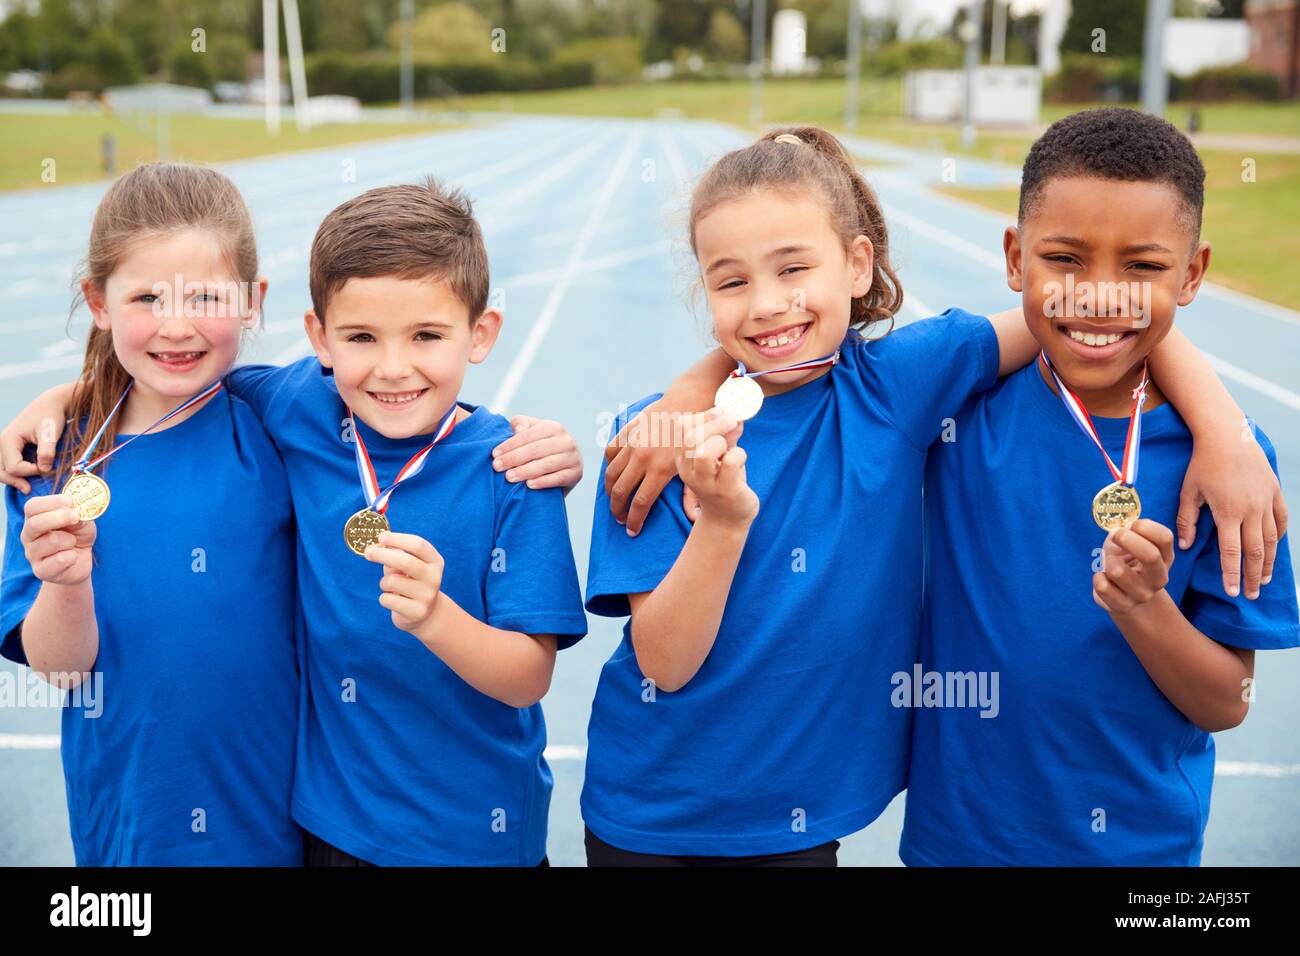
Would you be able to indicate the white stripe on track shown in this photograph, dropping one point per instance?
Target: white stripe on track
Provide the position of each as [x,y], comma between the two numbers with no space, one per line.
[519,368]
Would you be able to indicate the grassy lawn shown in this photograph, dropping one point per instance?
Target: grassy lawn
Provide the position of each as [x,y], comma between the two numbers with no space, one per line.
[73,141]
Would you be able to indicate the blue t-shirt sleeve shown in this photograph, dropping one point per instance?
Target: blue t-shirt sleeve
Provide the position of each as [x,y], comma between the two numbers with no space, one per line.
[258,385]
[619,564]
[1270,622]
[18,584]
[532,581]
[925,371]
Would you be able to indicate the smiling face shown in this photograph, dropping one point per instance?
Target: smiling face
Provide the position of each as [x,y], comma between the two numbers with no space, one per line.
[175,310]
[399,348]
[1102,265]
[779,281]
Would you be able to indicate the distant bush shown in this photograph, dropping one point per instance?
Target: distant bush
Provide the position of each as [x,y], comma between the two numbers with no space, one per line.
[1094,77]
[612,59]
[374,78]
[902,56]
[1238,82]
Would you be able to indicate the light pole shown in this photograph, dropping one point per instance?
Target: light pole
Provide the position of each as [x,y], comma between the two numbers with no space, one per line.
[1155,85]
[853,63]
[758,36]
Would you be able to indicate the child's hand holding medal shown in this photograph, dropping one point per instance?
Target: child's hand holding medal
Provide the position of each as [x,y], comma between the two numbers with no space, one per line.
[712,466]
[412,578]
[1135,566]
[59,545]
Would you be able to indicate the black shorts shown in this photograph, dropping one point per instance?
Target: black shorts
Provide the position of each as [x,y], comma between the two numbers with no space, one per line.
[600,853]
[320,853]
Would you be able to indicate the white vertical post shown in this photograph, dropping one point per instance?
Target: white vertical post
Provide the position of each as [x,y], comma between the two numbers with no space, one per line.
[853,65]
[758,47]
[271,64]
[998,43]
[297,70]
[1155,84]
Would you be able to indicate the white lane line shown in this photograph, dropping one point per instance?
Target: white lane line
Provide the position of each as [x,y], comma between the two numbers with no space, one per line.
[51,364]
[515,375]
[675,162]
[1251,380]
[1272,310]
[997,263]
[29,741]
[500,208]
[565,752]
[599,264]
[1235,768]
[1224,768]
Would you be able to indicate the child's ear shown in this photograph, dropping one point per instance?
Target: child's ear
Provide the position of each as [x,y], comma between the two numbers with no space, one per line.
[1195,273]
[94,297]
[316,333]
[484,334]
[862,260]
[1011,249]
[256,303]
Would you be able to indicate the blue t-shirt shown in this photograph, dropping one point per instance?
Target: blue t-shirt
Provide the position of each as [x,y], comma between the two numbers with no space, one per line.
[780,742]
[182,751]
[1082,760]
[400,761]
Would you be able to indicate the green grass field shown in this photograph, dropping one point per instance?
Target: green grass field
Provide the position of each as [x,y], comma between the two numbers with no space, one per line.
[73,141]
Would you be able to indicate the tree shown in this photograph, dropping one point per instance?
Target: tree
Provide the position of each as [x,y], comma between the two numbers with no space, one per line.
[726,37]
[1122,21]
[450,31]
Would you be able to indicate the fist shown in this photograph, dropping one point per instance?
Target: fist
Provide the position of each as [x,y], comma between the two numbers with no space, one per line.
[1135,566]
[58,544]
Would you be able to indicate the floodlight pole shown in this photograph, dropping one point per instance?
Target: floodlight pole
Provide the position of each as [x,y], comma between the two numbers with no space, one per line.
[271,64]
[1155,84]
[853,63]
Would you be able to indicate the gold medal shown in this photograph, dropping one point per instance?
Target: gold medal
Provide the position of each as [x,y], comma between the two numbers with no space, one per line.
[363,529]
[739,397]
[1116,506]
[89,494]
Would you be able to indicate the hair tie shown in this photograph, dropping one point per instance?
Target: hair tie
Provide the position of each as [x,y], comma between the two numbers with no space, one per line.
[788,138]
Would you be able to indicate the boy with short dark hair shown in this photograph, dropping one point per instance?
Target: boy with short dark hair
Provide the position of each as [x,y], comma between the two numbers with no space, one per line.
[1117,656]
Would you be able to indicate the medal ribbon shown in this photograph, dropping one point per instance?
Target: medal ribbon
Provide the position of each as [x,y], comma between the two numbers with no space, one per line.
[376,499]
[1132,441]
[85,463]
[797,366]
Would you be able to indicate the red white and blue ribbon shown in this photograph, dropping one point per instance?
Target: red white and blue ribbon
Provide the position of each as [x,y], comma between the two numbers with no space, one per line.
[85,463]
[1132,442]
[376,499]
[741,372]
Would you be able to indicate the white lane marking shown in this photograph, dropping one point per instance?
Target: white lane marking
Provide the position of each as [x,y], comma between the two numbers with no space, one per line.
[29,741]
[599,264]
[1251,380]
[1224,768]
[36,367]
[1236,768]
[515,375]
[565,752]
[64,346]
[675,162]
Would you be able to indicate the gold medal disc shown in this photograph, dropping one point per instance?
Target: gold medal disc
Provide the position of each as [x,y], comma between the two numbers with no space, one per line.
[740,398]
[1116,506]
[89,494]
[363,529]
